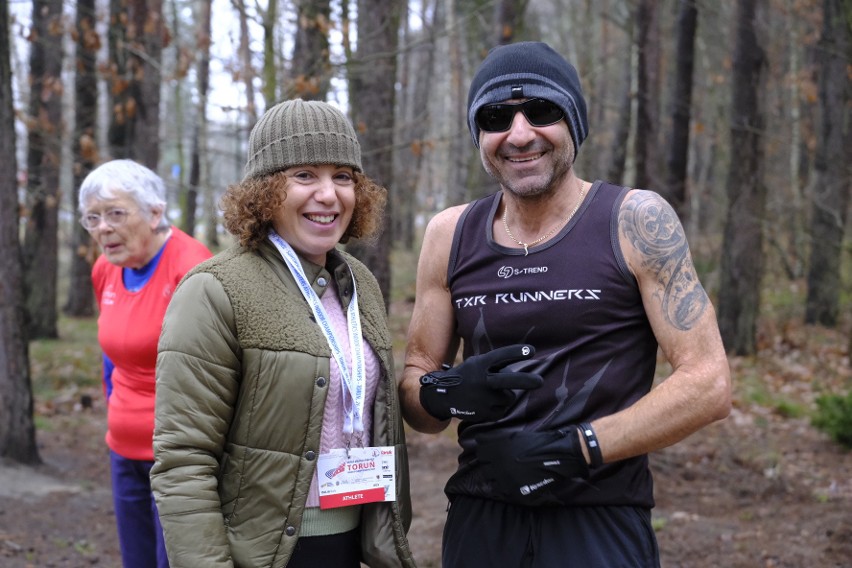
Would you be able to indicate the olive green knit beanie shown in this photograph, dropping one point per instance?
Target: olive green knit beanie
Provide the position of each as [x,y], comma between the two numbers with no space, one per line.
[297,133]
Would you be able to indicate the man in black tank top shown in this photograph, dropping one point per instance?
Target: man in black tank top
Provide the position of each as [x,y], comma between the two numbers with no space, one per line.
[560,292]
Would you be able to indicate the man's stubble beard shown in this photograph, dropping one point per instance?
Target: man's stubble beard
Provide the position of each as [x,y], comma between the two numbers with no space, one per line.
[550,185]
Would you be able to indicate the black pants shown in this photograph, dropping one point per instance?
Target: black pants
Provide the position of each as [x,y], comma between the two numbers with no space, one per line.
[331,551]
[484,533]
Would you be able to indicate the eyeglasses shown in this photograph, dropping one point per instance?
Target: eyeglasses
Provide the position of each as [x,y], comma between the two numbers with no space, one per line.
[498,117]
[113,217]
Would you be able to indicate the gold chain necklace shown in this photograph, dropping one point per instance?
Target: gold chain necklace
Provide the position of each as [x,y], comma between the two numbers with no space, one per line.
[547,235]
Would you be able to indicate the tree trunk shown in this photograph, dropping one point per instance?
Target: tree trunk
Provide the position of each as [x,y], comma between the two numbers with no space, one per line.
[413,118]
[211,233]
[196,177]
[459,156]
[508,20]
[136,53]
[43,159]
[311,77]
[191,202]
[678,151]
[119,123]
[598,86]
[373,92]
[146,79]
[177,113]
[17,428]
[247,70]
[81,301]
[507,23]
[795,252]
[647,95]
[270,74]
[742,249]
[618,148]
[833,170]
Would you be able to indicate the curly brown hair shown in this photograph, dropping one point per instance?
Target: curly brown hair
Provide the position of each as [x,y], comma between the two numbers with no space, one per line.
[250,205]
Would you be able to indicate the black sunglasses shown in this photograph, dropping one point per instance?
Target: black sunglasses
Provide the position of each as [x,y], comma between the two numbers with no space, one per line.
[498,117]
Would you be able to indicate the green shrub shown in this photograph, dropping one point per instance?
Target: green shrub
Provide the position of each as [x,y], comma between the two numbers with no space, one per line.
[834,416]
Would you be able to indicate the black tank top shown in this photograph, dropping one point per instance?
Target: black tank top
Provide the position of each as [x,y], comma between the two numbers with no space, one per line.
[575,300]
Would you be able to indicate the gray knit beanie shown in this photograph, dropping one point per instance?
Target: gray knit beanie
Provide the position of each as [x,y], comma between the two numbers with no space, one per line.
[297,133]
[529,69]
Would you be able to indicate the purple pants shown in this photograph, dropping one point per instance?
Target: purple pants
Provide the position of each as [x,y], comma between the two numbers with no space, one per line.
[139,532]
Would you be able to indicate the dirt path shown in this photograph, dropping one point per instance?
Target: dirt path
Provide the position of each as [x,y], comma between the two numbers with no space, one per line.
[60,515]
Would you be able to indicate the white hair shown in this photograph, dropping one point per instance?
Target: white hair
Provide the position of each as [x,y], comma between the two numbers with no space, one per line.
[142,184]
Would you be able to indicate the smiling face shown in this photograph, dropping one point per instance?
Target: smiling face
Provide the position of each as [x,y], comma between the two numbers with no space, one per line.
[132,243]
[317,210]
[528,160]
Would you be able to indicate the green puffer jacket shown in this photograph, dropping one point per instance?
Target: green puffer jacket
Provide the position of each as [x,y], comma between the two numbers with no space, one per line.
[242,378]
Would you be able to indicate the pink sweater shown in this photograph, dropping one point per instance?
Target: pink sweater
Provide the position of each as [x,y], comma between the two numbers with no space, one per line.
[332,421]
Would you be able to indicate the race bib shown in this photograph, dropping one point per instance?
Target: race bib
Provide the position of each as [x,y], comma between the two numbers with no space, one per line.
[356,476]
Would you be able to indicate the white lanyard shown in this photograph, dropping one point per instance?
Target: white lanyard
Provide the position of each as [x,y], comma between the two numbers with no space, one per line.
[353,384]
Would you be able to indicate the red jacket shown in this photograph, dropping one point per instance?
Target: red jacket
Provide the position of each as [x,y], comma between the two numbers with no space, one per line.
[128,331]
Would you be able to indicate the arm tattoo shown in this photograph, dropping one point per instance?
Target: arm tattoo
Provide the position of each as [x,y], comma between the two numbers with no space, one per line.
[650,224]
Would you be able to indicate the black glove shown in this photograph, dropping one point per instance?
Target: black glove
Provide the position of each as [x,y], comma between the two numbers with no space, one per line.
[478,390]
[526,466]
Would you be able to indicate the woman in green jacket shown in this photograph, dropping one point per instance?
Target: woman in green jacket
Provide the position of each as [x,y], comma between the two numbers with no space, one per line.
[278,438]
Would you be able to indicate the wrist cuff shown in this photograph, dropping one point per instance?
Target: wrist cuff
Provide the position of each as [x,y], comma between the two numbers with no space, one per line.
[595,455]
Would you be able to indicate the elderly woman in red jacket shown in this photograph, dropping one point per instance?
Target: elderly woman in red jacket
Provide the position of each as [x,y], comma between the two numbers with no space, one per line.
[123,206]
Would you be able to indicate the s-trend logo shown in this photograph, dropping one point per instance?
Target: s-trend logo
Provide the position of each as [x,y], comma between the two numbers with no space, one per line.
[508,271]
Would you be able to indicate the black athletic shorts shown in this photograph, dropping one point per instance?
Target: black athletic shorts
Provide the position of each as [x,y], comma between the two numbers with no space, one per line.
[485,533]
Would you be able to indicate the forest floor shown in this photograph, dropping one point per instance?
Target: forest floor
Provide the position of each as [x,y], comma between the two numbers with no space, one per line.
[762,488]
